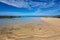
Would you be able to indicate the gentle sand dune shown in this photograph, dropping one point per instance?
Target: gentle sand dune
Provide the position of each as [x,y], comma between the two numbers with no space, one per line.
[31,30]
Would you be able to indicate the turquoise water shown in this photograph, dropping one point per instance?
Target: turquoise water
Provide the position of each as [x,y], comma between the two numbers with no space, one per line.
[36,19]
[9,21]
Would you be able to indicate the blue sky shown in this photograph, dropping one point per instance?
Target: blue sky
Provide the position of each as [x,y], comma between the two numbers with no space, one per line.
[29,7]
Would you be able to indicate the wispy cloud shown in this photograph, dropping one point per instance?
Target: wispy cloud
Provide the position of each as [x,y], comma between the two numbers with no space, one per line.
[29,3]
[10,13]
[48,12]
[14,14]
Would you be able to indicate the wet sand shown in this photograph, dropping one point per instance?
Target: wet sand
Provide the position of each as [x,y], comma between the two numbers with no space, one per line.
[32,29]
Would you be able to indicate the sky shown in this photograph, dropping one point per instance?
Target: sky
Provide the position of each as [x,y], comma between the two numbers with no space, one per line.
[30,7]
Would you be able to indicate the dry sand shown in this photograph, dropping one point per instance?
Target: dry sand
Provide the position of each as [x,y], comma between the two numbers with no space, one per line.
[31,30]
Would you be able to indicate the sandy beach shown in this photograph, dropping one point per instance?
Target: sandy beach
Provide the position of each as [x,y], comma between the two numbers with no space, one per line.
[40,29]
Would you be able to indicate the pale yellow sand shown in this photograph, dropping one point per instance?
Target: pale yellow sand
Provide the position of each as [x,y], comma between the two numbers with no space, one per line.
[31,30]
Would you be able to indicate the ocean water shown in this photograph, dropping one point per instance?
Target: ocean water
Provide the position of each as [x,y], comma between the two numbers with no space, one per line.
[23,19]
[21,22]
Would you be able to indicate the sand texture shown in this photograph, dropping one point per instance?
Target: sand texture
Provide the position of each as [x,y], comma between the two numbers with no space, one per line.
[31,30]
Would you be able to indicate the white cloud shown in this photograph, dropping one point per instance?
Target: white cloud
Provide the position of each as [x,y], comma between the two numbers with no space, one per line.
[51,12]
[18,3]
[29,3]
[11,13]
[43,4]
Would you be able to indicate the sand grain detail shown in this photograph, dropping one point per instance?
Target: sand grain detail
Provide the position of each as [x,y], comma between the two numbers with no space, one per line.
[31,30]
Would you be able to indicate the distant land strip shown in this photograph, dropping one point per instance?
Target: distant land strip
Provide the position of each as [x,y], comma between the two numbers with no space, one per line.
[10,16]
[58,16]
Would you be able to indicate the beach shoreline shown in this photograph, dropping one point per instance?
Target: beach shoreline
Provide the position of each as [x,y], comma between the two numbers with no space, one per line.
[31,30]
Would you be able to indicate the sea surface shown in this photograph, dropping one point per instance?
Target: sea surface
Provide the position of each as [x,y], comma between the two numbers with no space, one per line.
[20,20]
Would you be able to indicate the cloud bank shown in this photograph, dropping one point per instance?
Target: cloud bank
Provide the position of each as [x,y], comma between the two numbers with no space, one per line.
[30,3]
[48,12]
